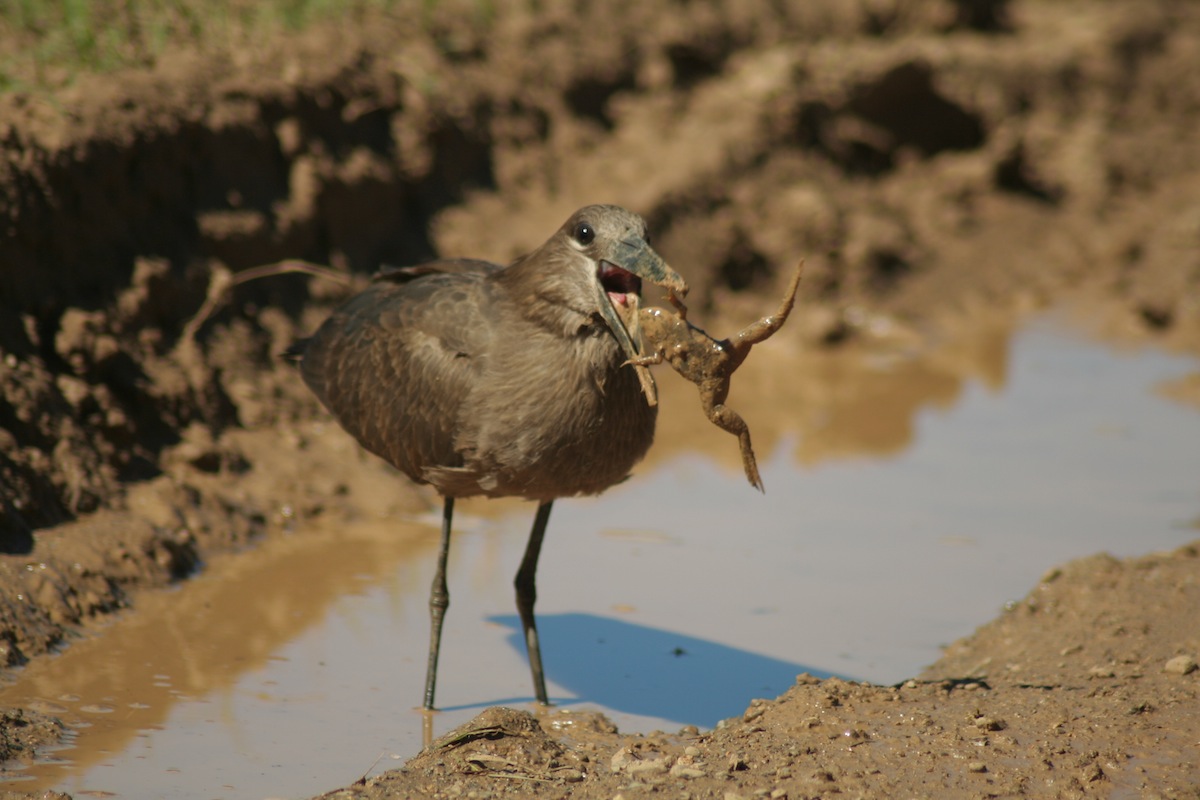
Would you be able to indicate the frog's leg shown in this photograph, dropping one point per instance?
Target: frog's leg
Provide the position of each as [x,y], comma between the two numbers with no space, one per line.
[712,398]
[752,334]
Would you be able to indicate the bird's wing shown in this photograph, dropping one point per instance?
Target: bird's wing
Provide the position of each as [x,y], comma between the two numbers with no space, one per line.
[394,364]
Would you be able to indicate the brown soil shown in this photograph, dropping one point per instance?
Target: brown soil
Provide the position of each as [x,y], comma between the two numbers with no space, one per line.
[929,159]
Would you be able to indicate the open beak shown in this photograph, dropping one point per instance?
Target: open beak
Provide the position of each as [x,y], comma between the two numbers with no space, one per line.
[632,263]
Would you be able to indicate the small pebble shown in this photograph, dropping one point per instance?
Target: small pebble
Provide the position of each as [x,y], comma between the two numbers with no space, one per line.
[621,759]
[655,766]
[754,712]
[990,724]
[1180,665]
[683,771]
[977,766]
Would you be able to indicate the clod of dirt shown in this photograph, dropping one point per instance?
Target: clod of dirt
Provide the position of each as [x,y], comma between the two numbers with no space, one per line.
[23,732]
[1180,665]
[498,746]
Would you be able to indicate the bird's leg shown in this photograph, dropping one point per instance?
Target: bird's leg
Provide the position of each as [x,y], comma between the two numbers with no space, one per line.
[713,400]
[526,585]
[439,601]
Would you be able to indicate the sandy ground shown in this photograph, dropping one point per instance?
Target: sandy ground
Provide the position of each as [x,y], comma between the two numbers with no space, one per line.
[930,160]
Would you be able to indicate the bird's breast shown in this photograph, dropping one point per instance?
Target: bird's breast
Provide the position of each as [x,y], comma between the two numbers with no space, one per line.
[553,417]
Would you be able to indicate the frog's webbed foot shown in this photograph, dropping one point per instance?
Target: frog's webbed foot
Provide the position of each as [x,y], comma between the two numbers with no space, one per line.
[641,366]
[646,361]
[649,388]
[632,318]
[677,303]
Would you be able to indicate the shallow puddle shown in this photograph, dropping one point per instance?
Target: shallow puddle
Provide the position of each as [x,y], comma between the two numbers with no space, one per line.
[908,499]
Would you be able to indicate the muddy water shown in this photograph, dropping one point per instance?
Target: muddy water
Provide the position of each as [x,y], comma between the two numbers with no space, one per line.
[908,499]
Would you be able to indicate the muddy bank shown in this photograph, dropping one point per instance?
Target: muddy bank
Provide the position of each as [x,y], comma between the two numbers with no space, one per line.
[1082,689]
[929,160]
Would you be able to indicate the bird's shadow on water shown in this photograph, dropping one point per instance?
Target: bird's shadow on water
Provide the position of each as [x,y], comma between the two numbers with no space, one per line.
[635,669]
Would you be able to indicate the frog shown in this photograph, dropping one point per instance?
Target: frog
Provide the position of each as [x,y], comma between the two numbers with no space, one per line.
[666,335]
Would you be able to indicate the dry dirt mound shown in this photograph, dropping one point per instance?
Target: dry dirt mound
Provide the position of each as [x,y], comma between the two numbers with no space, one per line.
[927,158]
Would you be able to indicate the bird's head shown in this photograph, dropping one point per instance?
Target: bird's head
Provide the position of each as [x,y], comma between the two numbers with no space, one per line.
[602,253]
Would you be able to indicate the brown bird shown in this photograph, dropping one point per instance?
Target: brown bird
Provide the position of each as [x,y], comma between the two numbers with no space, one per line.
[498,381]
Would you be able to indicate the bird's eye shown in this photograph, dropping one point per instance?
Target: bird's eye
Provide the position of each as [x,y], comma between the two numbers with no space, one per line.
[584,233]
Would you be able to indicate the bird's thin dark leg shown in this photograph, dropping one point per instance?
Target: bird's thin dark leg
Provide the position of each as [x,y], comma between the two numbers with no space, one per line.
[526,583]
[439,601]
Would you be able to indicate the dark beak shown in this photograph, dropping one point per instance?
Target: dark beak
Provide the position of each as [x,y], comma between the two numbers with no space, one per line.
[635,258]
